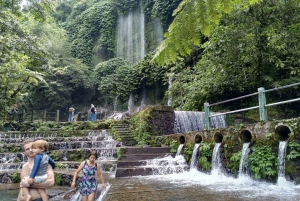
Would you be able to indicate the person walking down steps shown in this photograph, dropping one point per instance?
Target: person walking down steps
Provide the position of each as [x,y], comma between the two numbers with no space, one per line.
[71,114]
[88,183]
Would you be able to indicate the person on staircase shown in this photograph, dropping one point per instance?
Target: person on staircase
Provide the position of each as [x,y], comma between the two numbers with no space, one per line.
[93,113]
[71,114]
[88,183]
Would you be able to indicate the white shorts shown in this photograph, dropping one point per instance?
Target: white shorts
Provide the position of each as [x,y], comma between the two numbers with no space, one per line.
[40,179]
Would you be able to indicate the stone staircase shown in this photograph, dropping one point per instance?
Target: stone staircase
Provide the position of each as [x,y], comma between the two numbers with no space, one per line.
[134,159]
[122,132]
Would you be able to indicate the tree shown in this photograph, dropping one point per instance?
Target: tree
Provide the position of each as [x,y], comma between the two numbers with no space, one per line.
[192,19]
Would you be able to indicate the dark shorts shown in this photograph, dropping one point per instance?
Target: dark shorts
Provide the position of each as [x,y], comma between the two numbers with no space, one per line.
[38,199]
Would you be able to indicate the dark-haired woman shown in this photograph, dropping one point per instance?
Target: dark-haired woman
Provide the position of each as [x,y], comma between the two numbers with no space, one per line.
[88,183]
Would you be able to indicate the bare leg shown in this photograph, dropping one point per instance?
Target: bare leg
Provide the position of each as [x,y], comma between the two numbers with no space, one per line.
[91,197]
[26,193]
[84,198]
[43,194]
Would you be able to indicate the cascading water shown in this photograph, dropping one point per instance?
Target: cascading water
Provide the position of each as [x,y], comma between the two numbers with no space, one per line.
[186,121]
[116,104]
[281,181]
[130,102]
[194,156]
[131,35]
[243,168]
[179,149]
[170,98]
[216,160]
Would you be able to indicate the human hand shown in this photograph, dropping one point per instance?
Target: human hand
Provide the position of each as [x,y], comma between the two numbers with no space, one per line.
[73,184]
[30,180]
[24,184]
[103,186]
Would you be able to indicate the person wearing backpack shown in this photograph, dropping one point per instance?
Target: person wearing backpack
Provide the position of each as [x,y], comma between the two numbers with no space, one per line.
[71,114]
[93,113]
[88,182]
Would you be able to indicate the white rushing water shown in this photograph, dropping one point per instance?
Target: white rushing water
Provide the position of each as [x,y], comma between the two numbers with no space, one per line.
[216,160]
[194,160]
[245,187]
[243,168]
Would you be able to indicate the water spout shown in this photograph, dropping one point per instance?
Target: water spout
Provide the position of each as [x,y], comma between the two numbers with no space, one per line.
[216,160]
[179,150]
[243,168]
[194,160]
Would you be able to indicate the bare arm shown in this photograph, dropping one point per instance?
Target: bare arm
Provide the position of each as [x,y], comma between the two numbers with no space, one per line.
[50,179]
[48,183]
[76,173]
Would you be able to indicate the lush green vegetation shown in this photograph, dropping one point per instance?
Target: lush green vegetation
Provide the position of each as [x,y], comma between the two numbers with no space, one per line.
[58,53]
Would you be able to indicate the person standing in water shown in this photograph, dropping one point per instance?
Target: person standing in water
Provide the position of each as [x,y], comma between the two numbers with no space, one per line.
[25,172]
[88,183]
[39,170]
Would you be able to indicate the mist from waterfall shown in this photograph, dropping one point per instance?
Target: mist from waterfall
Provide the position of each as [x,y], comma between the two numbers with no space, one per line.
[131,35]
[243,168]
[186,121]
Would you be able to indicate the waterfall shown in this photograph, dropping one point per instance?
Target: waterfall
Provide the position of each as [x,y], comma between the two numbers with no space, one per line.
[167,165]
[170,98]
[281,181]
[281,158]
[243,168]
[179,149]
[216,160]
[131,35]
[186,121]
[194,159]
[130,102]
[116,104]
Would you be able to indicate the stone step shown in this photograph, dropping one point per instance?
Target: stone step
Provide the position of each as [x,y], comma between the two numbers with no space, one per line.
[147,150]
[123,164]
[138,157]
[144,171]
[129,143]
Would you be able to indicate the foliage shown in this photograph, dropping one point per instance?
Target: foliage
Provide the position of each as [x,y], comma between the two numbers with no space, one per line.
[247,50]
[16,177]
[116,78]
[173,146]
[235,161]
[263,163]
[205,155]
[194,17]
[294,150]
[141,128]
[120,153]
[95,25]
[188,151]
[163,10]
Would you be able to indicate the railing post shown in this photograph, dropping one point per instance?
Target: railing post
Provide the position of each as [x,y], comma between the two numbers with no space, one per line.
[207,114]
[57,116]
[262,102]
